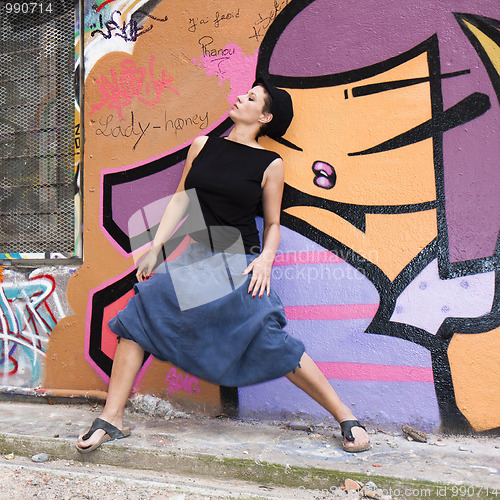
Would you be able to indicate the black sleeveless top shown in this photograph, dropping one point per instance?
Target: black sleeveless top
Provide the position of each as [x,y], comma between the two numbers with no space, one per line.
[227,177]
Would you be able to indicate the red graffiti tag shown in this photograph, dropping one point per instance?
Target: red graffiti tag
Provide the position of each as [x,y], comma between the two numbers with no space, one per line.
[131,83]
[103,4]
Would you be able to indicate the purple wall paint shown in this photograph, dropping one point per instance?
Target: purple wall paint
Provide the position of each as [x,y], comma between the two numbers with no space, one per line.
[369,31]
[342,341]
[129,197]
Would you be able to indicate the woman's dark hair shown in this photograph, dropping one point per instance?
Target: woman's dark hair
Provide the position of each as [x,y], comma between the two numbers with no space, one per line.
[268,100]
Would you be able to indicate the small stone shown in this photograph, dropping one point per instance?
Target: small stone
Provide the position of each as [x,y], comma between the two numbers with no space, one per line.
[370,485]
[376,465]
[463,448]
[386,497]
[10,456]
[56,435]
[40,457]
[68,422]
[299,426]
[350,484]
[414,433]
[393,445]
[371,494]
[245,452]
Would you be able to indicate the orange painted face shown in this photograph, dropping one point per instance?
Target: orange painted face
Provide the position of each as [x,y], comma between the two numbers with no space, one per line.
[332,123]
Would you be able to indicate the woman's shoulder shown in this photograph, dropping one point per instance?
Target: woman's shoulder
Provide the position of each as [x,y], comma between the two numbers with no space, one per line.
[200,141]
[196,146]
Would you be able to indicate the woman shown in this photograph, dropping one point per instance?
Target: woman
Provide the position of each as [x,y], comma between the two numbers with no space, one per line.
[234,338]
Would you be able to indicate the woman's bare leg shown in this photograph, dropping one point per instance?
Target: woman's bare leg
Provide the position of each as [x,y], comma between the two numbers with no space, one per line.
[311,380]
[126,365]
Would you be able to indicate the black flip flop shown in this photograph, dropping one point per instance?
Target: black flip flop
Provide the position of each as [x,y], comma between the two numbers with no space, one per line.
[112,433]
[345,428]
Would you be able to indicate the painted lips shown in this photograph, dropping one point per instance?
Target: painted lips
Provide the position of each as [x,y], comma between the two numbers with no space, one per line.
[325,176]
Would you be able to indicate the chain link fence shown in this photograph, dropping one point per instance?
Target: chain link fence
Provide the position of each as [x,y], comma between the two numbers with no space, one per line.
[37,119]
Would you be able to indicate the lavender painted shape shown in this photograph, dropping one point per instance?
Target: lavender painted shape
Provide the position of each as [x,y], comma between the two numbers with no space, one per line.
[428,300]
[383,403]
[130,197]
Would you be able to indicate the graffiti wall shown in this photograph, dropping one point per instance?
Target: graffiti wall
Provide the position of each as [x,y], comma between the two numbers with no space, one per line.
[31,304]
[388,266]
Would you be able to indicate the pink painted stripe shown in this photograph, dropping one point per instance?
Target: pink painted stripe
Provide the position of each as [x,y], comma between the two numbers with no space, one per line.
[297,258]
[369,372]
[342,311]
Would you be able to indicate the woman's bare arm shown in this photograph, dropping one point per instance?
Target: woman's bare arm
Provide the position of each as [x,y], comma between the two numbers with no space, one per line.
[272,194]
[173,214]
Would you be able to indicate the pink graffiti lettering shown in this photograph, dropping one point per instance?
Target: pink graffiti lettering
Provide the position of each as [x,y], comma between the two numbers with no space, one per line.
[131,83]
[228,63]
[177,382]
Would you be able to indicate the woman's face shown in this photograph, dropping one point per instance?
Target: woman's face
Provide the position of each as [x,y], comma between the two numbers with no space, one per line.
[249,108]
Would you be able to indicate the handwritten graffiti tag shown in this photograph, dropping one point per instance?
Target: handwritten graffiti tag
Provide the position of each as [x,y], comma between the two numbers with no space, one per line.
[264,21]
[26,320]
[130,31]
[217,20]
[131,82]
[135,128]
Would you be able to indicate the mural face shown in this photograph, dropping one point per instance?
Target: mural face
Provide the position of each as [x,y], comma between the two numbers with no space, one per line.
[384,127]
[400,180]
[388,266]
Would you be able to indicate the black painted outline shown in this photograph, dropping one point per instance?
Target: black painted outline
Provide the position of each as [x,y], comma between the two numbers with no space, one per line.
[354,214]
[491,28]
[136,173]
[100,300]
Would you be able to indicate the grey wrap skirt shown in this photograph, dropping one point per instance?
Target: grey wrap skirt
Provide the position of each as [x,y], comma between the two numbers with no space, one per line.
[196,313]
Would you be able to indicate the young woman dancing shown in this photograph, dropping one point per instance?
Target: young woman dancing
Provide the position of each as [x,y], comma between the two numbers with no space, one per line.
[226,330]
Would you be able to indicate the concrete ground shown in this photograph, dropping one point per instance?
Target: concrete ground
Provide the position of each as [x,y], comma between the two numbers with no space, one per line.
[245,459]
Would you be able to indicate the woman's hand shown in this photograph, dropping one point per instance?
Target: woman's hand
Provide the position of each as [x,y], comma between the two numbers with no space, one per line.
[146,265]
[261,276]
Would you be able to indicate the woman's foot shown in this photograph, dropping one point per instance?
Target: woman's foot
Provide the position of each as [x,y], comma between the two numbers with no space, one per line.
[355,436]
[100,432]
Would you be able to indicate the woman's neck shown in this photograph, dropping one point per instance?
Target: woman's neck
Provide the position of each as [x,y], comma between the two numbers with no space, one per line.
[243,136]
